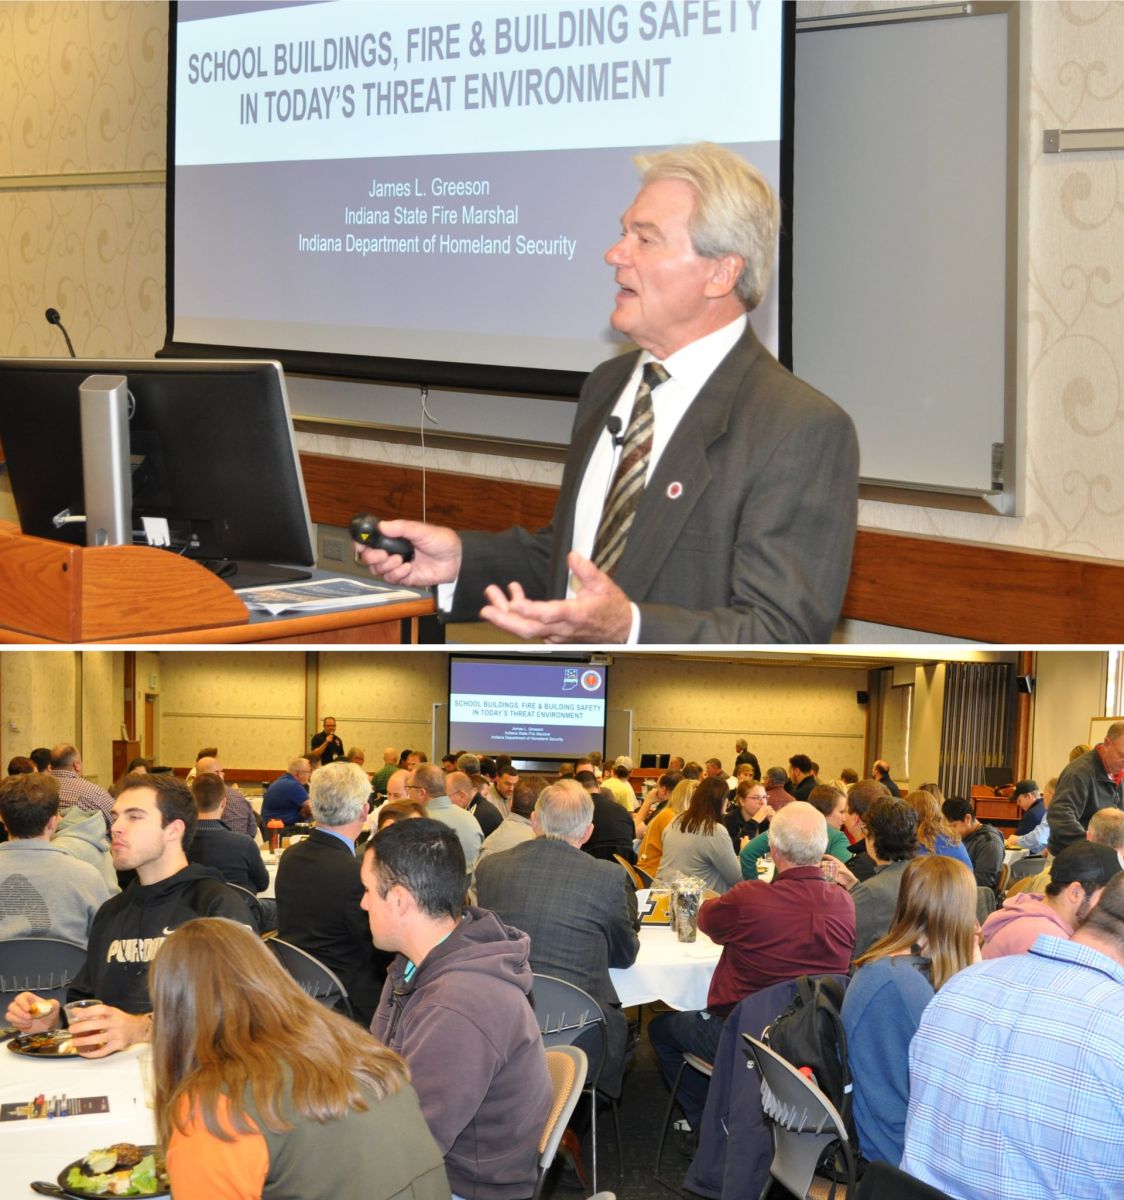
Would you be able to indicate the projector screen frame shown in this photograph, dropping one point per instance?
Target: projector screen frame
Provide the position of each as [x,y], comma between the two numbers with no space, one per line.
[537,659]
[478,377]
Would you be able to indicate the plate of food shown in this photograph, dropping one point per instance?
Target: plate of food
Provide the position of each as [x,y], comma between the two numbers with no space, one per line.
[119,1170]
[55,1043]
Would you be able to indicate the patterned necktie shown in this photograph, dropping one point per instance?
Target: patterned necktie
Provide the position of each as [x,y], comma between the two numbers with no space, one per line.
[628,481]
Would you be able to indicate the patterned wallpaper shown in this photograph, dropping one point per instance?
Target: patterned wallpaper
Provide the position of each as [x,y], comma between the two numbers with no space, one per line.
[39,690]
[82,88]
[249,704]
[697,709]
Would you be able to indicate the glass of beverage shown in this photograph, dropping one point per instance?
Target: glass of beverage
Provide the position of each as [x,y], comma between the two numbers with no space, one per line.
[76,1012]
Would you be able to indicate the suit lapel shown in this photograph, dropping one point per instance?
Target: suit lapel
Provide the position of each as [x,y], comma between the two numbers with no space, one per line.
[683,472]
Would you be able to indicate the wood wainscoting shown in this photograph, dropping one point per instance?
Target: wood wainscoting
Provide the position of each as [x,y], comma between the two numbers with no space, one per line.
[968,590]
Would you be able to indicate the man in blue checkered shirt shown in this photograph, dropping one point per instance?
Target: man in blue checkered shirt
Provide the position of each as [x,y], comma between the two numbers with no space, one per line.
[1017,1071]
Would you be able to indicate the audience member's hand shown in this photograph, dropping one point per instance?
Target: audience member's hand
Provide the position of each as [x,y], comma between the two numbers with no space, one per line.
[26,1014]
[1012,842]
[437,555]
[765,813]
[103,1030]
[599,613]
[847,878]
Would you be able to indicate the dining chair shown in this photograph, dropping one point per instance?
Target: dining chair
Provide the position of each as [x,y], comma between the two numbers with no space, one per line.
[689,1062]
[567,1066]
[805,1124]
[312,975]
[45,966]
[564,1013]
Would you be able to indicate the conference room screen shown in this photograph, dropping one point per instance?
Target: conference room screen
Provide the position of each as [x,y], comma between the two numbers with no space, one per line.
[438,182]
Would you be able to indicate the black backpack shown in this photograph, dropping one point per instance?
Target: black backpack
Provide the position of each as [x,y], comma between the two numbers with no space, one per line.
[809,1033]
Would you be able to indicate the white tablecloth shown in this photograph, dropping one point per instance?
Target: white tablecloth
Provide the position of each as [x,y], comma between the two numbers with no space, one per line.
[40,1149]
[678,973]
[1013,856]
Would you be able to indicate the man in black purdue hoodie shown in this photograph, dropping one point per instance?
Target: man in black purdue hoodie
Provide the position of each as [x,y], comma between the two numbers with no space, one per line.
[154,819]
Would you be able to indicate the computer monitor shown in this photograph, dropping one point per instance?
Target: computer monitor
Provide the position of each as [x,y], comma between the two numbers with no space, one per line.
[997,777]
[210,448]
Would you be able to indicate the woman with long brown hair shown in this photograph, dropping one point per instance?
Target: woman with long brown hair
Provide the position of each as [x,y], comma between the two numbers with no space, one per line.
[933,935]
[934,834]
[262,1092]
[696,842]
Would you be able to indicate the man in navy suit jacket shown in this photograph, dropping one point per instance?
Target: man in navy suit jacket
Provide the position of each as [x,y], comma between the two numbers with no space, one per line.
[744,528]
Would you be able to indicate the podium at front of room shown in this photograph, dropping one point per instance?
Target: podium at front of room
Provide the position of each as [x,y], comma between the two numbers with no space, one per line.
[55,592]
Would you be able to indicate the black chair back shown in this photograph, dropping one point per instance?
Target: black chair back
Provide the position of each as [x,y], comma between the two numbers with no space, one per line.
[45,966]
[317,980]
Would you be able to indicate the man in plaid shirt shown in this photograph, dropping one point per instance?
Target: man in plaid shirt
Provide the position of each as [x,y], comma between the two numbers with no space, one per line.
[74,791]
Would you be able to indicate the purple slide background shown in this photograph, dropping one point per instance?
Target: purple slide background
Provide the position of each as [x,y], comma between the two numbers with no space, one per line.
[237,227]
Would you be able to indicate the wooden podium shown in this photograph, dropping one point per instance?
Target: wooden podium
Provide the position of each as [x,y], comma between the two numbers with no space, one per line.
[54,592]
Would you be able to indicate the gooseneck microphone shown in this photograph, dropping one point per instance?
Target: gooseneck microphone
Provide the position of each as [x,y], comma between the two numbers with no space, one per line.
[53,318]
[613,429]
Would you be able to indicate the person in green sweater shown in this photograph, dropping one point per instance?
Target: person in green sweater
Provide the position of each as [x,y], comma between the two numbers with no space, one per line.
[827,799]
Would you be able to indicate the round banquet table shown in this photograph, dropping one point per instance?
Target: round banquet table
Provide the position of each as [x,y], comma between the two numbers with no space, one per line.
[40,1148]
[678,973]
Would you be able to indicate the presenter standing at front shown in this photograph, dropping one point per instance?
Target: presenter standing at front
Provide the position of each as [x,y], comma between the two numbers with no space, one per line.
[723,507]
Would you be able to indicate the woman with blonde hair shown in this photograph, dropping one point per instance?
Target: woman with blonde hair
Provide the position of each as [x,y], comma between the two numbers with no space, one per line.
[651,848]
[933,935]
[262,1092]
[696,843]
[934,834]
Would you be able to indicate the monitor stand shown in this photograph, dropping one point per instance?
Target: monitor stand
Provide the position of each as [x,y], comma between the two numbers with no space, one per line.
[239,574]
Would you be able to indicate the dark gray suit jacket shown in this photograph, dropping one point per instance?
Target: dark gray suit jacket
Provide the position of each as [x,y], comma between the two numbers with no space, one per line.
[756,545]
[581,916]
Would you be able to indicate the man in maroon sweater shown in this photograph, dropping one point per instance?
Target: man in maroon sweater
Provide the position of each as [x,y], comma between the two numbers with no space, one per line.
[769,932]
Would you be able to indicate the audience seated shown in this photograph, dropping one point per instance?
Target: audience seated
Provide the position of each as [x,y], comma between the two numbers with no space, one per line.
[748,814]
[83,835]
[655,801]
[934,834]
[860,797]
[1017,1071]
[801,777]
[262,1093]
[503,784]
[383,774]
[769,932]
[516,827]
[651,848]
[44,892]
[891,841]
[826,799]
[1078,877]
[237,813]
[154,817]
[459,789]
[580,913]
[745,755]
[286,798]
[74,791]
[984,843]
[932,937]
[236,857]
[319,889]
[613,827]
[616,784]
[428,784]
[777,794]
[696,843]
[455,1007]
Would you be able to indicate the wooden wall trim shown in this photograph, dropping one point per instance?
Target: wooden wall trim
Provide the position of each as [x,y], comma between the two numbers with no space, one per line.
[967,590]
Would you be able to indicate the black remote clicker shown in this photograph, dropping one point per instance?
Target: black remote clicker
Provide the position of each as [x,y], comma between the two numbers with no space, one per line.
[364,529]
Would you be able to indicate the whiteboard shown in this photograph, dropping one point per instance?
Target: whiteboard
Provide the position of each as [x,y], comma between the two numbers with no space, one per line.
[904,283]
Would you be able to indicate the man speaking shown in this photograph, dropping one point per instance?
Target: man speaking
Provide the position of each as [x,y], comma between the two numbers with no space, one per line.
[708,495]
